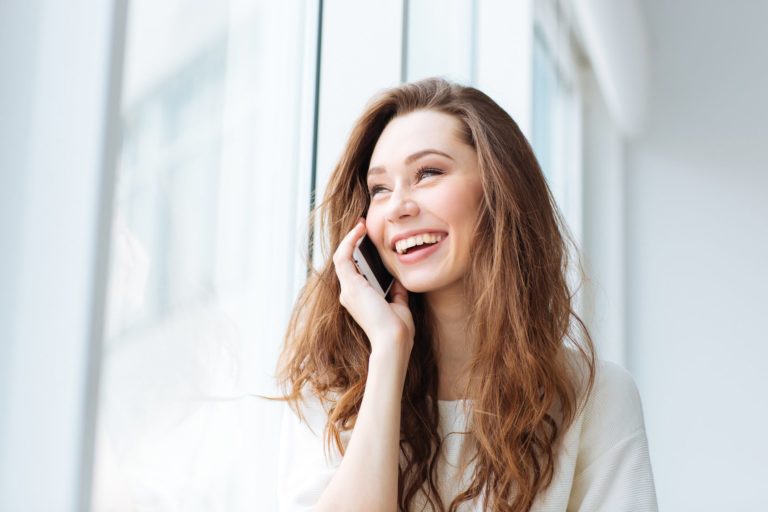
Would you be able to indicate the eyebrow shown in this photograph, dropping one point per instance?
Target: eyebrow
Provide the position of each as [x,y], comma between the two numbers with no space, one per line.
[411,159]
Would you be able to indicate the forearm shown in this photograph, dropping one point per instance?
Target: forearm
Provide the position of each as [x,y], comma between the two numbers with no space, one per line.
[367,476]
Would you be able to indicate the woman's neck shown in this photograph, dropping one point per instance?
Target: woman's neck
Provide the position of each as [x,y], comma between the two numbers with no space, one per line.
[453,349]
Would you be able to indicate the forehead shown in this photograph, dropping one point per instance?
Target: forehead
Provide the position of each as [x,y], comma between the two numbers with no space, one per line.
[415,131]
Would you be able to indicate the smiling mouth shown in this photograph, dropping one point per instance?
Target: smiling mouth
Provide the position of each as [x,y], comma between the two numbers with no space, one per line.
[427,240]
[408,249]
[417,248]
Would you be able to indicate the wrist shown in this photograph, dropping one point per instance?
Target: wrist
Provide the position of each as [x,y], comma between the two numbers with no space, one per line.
[389,356]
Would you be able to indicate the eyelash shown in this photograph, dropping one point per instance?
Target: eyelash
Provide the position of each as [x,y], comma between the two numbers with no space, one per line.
[419,172]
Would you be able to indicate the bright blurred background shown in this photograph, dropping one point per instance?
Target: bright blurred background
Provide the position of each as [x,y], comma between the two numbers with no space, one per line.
[158,161]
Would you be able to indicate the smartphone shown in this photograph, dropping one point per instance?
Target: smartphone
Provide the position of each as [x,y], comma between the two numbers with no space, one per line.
[369,264]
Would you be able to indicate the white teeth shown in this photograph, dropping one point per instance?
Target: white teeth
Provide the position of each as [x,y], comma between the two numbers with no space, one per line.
[406,243]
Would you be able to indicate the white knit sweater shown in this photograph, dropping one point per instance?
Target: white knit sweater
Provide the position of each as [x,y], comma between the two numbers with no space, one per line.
[602,464]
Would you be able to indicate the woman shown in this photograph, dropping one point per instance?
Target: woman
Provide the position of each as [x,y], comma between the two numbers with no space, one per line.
[468,387]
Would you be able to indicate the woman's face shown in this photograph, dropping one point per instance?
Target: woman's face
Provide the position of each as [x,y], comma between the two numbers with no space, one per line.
[415,190]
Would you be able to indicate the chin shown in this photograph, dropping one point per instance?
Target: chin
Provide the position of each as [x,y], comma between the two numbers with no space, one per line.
[417,289]
[421,286]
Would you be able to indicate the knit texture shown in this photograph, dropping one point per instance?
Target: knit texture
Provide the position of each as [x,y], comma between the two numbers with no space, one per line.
[601,465]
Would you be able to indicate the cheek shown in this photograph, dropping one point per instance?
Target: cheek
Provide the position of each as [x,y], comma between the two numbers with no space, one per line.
[462,214]
[457,206]
[374,228]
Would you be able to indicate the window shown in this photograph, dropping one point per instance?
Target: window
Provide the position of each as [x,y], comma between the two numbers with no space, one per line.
[212,189]
[556,134]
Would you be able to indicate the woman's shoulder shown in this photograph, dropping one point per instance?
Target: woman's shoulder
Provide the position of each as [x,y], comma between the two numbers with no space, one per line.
[612,414]
[615,399]
[607,444]
[613,404]
[614,391]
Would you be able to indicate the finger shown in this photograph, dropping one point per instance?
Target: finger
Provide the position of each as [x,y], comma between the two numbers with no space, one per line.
[343,257]
[347,243]
[399,293]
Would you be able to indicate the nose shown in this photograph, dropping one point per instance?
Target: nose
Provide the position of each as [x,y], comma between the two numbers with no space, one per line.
[400,204]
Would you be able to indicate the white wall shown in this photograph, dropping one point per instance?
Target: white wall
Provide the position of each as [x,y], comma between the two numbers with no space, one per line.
[697,252]
[604,216]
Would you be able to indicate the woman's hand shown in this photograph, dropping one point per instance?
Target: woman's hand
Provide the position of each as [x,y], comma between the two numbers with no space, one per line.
[385,323]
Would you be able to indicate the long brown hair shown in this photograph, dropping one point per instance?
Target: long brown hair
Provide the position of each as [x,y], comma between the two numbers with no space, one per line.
[521,313]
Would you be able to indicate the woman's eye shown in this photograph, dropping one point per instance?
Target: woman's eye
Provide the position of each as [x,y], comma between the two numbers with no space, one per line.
[373,191]
[421,173]
[424,170]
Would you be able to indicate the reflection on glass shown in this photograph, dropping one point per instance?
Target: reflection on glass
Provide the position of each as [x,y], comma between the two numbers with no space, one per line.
[202,255]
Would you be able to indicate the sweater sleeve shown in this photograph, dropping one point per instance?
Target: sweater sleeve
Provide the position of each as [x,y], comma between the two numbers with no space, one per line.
[304,471]
[613,467]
